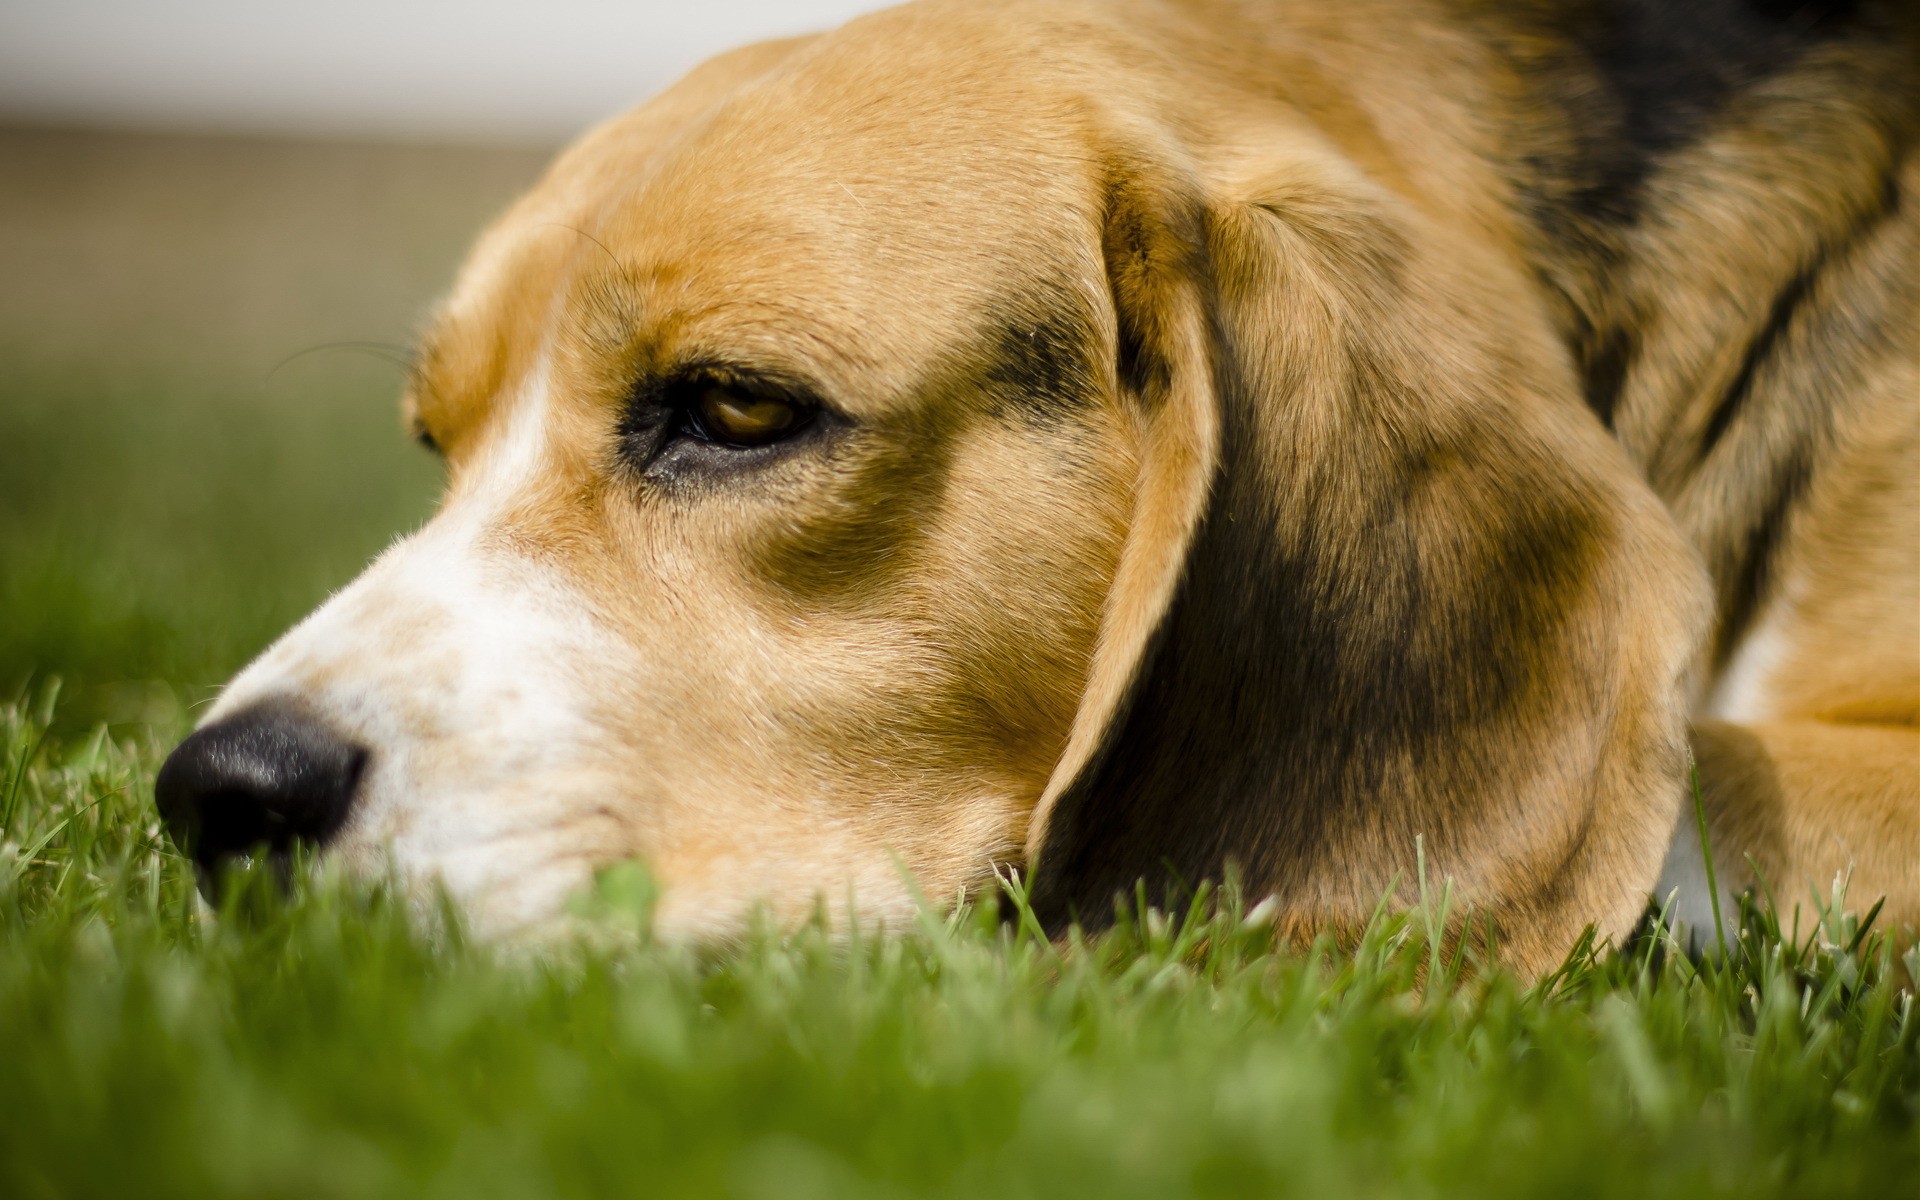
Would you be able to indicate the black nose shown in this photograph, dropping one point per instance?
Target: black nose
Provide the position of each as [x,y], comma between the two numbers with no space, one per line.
[269,776]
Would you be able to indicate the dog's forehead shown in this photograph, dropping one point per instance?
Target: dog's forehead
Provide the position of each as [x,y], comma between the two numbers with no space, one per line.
[824,209]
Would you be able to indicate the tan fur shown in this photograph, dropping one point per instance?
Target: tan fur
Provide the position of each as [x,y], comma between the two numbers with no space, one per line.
[1319,338]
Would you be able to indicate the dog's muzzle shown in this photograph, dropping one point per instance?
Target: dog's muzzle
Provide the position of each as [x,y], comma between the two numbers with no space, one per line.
[265,779]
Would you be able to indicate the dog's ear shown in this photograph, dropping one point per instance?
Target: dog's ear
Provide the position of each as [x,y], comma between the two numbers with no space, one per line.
[1388,585]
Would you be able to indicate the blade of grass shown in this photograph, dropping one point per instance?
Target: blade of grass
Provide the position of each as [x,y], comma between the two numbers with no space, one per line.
[1706,855]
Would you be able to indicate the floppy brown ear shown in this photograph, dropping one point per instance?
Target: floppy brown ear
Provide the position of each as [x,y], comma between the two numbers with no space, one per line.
[1387,581]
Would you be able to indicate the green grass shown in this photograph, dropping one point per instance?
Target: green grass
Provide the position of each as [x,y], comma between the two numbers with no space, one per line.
[172,541]
[338,1044]
[169,501]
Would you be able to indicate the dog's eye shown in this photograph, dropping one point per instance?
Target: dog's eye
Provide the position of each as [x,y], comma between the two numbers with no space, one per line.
[742,419]
[703,426]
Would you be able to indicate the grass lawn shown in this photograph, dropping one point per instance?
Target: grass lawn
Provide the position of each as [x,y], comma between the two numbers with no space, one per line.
[173,491]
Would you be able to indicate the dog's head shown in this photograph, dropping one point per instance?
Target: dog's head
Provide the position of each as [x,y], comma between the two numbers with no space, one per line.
[892,456]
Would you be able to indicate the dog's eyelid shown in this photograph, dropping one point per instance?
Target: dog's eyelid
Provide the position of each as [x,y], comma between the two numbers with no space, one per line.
[680,396]
[682,386]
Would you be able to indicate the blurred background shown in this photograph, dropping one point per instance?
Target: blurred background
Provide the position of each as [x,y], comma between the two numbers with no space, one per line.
[220,221]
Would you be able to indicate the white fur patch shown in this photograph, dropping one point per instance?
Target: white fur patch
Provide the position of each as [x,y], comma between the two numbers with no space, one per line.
[1742,694]
[462,669]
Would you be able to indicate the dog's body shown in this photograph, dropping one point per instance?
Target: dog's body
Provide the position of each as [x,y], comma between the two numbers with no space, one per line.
[1131,440]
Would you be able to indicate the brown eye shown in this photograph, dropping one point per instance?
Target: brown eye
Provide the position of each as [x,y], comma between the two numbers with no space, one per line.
[739,419]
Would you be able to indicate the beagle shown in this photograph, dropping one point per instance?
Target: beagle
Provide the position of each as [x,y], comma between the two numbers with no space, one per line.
[1134,440]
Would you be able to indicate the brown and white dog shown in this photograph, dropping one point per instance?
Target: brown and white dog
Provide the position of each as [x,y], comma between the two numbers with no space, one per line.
[1131,439]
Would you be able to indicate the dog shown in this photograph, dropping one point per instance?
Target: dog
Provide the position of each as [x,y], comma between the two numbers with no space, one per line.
[1141,441]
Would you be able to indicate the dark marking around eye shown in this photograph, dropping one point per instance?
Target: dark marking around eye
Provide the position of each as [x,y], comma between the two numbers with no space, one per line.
[1041,369]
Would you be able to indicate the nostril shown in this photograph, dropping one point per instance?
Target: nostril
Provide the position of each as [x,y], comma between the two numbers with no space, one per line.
[270,775]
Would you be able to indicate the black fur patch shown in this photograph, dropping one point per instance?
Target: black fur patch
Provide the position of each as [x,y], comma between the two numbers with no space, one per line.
[1605,365]
[1781,314]
[1615,87]
[1040,368]
[1789,404]
[1638,79]
[1750,580]
[1671,65]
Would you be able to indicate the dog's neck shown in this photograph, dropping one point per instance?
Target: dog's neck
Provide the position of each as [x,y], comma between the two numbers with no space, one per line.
[1710,175]
[1705,162]
[1688,186]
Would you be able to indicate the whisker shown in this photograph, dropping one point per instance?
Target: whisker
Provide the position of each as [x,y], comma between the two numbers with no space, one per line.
[611,256]
[386,352]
